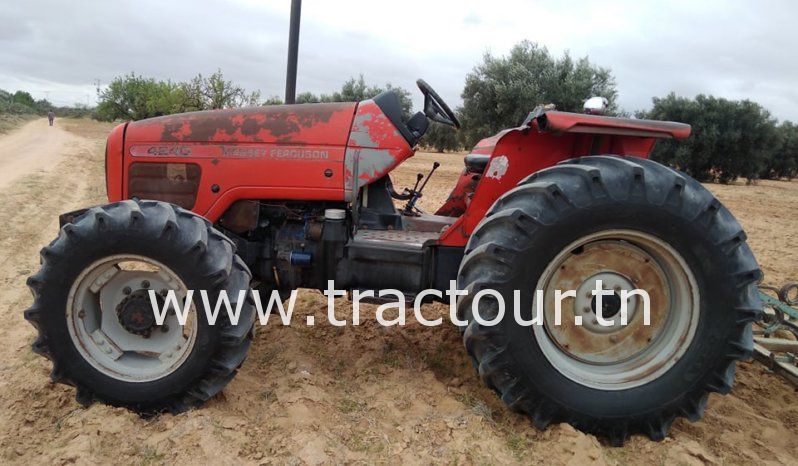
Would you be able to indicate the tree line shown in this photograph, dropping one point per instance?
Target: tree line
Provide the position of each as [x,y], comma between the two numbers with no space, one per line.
[730,138]
[134,97]
[21,103]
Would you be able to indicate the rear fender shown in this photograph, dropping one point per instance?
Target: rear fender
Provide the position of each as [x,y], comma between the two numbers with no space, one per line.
[519,152]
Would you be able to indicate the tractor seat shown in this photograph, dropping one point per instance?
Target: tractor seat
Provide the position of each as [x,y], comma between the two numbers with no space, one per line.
[476,163]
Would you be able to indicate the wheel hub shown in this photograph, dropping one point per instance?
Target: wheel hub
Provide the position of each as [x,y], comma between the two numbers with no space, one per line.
[135,313]
[617,355]
[112,323]
[586,302]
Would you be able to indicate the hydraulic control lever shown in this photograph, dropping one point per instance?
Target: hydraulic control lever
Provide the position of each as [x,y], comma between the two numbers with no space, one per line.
[415,193]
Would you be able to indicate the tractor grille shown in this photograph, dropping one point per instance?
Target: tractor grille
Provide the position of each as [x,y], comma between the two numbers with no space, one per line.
[177,183]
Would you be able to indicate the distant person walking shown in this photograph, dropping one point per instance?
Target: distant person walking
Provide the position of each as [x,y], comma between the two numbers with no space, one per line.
[51,117]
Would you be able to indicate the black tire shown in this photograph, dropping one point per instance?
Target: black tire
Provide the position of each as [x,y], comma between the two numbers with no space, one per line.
[529,225]
[188,244]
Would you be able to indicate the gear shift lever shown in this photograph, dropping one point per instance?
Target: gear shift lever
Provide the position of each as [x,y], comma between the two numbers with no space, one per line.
[415,193]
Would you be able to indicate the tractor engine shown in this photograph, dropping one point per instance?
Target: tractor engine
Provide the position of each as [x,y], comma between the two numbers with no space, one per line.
[288,245]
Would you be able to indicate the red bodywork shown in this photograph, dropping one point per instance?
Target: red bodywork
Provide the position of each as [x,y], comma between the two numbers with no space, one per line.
[548,139]
[206,161]
[300,152]
[255,153]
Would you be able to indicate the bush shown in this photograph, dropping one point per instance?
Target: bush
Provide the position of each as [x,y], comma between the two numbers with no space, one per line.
[22,103]
[134,97]
[501,91]
[783,162]
[730,139]
[441,138]
[355,90]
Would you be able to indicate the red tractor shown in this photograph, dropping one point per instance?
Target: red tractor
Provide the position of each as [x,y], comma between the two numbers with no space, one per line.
[283,197]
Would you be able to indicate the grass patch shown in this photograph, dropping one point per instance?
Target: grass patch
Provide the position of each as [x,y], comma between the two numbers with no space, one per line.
[477,406]
[351,406]
[86,127]
[150,455]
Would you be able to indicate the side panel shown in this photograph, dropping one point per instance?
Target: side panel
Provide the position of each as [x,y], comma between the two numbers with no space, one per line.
[520,152]
[375,148]
[230,172]
[279,152]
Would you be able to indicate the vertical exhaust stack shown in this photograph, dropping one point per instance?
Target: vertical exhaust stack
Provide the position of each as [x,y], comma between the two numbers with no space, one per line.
[293,52]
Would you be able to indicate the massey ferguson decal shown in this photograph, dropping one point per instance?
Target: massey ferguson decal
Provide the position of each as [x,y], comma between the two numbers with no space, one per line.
[230,151]
[291,153]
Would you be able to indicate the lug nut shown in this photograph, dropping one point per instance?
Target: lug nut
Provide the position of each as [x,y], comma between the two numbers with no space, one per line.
[145,284]
[126,290]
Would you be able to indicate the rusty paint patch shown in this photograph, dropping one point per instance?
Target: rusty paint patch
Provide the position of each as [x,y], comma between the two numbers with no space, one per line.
[626,341]
[312,123]
[375,148]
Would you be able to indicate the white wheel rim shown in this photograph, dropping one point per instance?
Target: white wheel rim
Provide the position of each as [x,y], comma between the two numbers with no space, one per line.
[620,356]
[97,331]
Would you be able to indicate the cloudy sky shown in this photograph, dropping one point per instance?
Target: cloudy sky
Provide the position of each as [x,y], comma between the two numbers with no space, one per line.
[734,49]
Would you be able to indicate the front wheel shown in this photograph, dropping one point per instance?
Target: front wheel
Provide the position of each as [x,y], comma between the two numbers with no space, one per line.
[630,224]
[93,311]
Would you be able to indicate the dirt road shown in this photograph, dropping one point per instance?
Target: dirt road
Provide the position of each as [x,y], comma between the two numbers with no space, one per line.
[33,147]
[354,394]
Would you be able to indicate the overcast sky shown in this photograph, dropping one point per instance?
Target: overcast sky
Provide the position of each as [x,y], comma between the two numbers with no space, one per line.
[734,49]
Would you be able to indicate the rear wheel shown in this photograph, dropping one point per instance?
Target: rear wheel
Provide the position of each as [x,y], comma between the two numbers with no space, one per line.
[631,224]
[93,311]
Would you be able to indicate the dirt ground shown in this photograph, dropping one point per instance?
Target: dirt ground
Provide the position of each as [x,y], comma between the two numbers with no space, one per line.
[31,148]
[355,394]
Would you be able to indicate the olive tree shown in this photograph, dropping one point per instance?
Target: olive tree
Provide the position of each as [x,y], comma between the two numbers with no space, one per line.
[729,139]
[501,91]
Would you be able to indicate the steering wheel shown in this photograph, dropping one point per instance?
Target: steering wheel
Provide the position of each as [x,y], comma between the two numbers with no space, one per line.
[435,108]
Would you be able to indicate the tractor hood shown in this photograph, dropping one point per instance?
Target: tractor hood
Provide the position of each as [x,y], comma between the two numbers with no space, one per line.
[206,161]
[315,124]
